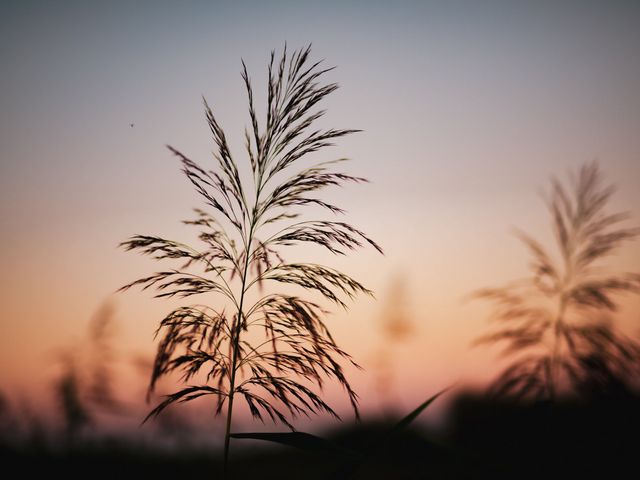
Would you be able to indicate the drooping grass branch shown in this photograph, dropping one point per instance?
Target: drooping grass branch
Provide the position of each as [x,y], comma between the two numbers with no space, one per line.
[557,322]
[243,229]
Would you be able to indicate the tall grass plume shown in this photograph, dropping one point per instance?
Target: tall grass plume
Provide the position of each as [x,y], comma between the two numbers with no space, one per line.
[557,323]
[244,228]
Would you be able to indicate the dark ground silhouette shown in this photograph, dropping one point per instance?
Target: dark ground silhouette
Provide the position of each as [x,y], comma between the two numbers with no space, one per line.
[486,438]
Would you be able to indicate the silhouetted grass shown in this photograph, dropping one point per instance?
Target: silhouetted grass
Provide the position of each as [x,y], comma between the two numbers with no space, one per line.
[557,322]
[395,328]
[86,384]
[242,236]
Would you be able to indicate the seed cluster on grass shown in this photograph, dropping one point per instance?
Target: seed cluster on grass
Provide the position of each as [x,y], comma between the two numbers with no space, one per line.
[276,375]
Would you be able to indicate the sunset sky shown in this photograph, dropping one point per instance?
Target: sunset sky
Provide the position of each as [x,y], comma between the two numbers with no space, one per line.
[467,109]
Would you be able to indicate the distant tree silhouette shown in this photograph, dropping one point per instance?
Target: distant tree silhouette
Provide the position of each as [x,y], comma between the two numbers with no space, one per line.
[557,322]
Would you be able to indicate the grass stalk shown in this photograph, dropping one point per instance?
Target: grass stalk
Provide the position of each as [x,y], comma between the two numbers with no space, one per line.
[293,352]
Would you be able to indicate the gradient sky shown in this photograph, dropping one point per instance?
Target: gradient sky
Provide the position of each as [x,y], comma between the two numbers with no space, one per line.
[467,109]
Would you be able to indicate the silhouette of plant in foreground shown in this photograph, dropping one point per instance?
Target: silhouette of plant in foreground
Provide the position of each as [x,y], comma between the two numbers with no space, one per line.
[557,321]
[268,348]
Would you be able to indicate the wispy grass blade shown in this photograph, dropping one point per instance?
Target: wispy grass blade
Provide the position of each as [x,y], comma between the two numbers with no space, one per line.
[409,418]
[302,441]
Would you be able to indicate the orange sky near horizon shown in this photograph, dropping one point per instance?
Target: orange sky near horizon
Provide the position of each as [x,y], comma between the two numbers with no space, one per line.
[466,113]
